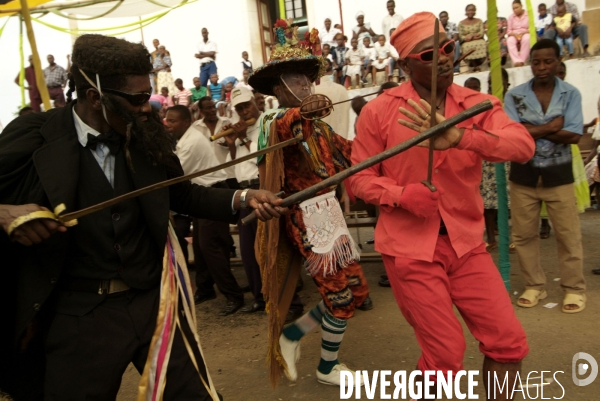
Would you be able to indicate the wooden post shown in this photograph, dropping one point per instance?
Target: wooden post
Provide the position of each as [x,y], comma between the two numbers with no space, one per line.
[37,65]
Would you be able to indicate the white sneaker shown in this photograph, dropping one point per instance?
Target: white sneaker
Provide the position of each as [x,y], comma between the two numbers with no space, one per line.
[290,351]
[334,377]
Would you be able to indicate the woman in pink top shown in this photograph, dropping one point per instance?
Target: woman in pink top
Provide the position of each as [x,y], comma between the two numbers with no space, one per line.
[518,35]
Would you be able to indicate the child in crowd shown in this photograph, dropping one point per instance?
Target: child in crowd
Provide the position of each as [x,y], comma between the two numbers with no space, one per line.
[244,82]
[354,61]
[339,58]
[543,21]
[383,54]
[370,55]
[198,91]
[246,63]
[473,84]
[564,23]
[327,52]
[183,96]
[215,89]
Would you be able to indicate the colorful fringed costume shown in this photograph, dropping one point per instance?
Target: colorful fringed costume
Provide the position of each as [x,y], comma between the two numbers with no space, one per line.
[320,155]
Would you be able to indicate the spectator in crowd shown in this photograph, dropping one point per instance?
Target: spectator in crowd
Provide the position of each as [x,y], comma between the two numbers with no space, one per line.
[35,99]
[244,82]
[242,142]
[183,96]
[246,63]
[207,51]
[580,30]
[198,91]
[362,29]
[518,35]
[327,34]
[162,69]
[564,23]
[215,89]
[452,32]
[580,182]
[209,125]
[339,58]
[56,78]
[543,21]
[550,110]
[259,98]
[473,84]
[502,25]
[338,119]
[154,54]
[390,21]
[470,32]
[158,103]
[327,52]
[357,105]
[210,238]
[370,55]
[383,56]
[354,62]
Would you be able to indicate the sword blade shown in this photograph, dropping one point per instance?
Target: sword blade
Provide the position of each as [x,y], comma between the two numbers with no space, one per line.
[163,184]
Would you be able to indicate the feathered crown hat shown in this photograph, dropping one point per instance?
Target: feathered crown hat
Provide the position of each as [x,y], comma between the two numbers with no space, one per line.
[289,55]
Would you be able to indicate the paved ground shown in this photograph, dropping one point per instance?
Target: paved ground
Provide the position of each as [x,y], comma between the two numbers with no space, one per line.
[381,339]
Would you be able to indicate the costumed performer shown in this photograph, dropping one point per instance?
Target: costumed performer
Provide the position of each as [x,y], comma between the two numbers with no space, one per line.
[315,229]
[84,302]
[431,242]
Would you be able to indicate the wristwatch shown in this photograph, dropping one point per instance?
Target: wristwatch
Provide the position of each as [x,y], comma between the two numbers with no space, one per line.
[243,202]
[244,141]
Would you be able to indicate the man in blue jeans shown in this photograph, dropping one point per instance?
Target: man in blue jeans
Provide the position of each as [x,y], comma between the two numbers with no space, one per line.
[207,51]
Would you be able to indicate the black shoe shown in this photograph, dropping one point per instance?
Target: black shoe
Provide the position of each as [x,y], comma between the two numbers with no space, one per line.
[370,242]
[292,315]
[231,307]
[246,288]
[367,304]
[253,307]
[199,298]
[384,281]
[233,253]
[596,271]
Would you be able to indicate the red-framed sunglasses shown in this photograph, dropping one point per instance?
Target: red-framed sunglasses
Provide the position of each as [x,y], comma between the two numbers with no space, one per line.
[136,99]
[426,56]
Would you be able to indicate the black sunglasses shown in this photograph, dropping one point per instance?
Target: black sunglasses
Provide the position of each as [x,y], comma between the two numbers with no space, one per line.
[135,99]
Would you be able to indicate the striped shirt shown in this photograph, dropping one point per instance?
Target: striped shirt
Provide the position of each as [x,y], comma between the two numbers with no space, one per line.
[183,97]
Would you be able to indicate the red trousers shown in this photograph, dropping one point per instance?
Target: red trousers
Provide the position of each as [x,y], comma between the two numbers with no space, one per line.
[426,292]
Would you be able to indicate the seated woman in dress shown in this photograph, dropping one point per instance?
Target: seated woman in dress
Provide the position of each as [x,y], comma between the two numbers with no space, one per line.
[470,33]
[518,35]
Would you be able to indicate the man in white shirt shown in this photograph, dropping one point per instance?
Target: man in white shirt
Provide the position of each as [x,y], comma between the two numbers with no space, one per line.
[211,241]
[210,125]
[339,117]
[392,20]
[327,34]
[207,52]
[242,142]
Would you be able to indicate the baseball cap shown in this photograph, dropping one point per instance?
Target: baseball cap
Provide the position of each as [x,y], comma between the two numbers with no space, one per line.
[241,95]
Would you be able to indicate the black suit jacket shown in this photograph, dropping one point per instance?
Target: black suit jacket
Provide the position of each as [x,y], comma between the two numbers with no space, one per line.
[39,163]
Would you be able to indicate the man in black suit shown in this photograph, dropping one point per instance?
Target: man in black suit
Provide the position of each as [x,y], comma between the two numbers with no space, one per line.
[79,304]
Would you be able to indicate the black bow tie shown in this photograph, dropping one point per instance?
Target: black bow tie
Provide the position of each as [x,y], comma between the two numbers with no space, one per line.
[110,139]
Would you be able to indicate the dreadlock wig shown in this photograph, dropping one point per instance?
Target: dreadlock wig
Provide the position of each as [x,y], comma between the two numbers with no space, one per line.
[111,58]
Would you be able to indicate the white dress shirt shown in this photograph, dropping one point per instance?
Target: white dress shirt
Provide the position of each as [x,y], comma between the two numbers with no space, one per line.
[220,148]
[339,118]
[209,46]
[247,170]
[328,37]
[102,154]
[195,153]
[389,22]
